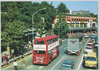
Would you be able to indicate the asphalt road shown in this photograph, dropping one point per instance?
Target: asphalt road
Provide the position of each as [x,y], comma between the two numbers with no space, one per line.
[57,62]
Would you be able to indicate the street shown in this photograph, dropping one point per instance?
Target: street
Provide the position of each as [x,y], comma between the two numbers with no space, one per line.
[57,62]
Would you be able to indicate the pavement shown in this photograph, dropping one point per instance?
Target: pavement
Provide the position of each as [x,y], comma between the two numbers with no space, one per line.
[13,59]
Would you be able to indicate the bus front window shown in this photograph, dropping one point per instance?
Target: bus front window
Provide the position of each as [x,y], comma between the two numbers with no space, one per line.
[40,52]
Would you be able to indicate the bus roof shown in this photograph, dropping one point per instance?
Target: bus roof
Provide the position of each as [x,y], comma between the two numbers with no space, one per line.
[91,54]
[46,38]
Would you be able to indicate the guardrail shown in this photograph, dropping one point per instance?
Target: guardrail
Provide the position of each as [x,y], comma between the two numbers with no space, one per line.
[16,58]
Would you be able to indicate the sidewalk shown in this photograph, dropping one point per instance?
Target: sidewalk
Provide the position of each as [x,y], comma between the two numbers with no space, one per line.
[13,59]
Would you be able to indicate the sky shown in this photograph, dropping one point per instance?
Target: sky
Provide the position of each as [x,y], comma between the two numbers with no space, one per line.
[91,6]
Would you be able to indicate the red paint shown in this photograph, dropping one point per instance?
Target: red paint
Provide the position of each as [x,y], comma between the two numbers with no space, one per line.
[45,58]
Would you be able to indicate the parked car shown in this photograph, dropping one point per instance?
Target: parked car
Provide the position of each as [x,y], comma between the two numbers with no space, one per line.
[86,35]
[67,65]
[89,49]
[90,44]
[91,60]
[93,39]
[90,41]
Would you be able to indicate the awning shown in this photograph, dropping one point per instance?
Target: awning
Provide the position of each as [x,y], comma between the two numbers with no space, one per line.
[80,28]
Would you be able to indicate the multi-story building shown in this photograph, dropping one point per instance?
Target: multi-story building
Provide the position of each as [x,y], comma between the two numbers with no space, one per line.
[81,21]
[80,12]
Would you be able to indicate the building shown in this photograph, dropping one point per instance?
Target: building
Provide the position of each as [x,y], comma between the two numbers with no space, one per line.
[90,21]
[81,22]
[78,23]
[80,12]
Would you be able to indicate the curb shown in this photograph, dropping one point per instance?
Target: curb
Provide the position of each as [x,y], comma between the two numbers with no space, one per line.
[16,61]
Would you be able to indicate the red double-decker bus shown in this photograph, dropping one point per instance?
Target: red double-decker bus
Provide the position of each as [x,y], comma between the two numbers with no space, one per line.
[45,49]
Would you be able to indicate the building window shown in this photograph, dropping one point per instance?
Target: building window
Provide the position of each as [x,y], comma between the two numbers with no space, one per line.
[77,19]
[74,19]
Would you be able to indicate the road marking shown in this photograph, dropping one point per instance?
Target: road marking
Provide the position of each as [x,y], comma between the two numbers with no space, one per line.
[40,67]
[82,57]
[80,63]
[57,63]
[30,66]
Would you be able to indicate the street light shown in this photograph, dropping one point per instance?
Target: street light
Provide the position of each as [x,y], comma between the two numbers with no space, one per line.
[33,22]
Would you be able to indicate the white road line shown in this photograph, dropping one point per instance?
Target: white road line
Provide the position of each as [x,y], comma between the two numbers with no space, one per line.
[30,66]
[57,63]
[80,63]
[40,67]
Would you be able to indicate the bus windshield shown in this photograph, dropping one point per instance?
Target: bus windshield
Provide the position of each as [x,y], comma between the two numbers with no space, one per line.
[39,42]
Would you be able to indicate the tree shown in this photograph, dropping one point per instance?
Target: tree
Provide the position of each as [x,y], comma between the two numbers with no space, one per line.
[92,14]
[21,12]
[63,27]
[62,8]
[13,34]
[48,14]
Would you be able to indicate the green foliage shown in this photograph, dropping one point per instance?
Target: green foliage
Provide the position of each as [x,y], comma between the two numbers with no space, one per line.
[63,28]
[17,16]
[48,14]
[62,8]
[13,34]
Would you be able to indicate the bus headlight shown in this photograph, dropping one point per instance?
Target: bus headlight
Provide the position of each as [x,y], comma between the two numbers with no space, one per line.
[37,57]
[42,57]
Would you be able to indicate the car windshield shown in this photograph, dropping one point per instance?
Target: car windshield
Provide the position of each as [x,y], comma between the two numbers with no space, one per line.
[88,47]
[66,66]
[90,41]
[91,59]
